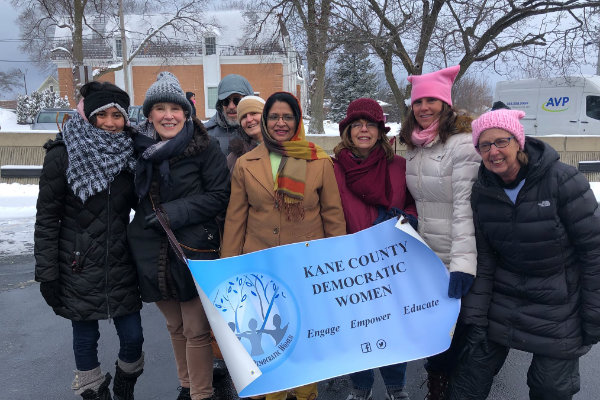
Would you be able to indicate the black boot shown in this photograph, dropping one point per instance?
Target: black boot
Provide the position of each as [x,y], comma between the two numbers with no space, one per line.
[124,383]
[103,393]
[184,393]
[437,386]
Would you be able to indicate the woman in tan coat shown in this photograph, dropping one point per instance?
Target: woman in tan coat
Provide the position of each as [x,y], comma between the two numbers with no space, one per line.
[284,191]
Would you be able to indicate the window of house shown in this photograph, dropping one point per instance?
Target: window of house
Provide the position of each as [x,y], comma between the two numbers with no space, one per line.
[211,45]
[211,97]
[118,48]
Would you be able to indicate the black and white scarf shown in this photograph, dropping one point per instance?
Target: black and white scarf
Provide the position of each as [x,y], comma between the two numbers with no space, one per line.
[95,156]
[152,151]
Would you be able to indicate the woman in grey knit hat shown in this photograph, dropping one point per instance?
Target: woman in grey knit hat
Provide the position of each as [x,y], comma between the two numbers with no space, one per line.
[182,172]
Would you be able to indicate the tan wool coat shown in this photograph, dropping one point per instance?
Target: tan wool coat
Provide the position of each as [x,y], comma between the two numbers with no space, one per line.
[252,222]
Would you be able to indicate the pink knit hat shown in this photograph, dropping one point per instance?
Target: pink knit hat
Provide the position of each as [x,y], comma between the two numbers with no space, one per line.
[505,119]
[436,84]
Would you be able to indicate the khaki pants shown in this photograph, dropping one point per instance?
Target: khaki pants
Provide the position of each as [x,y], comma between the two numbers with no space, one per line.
[190,337]
[306,392]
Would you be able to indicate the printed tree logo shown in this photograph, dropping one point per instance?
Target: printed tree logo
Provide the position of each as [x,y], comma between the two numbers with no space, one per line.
[255,306]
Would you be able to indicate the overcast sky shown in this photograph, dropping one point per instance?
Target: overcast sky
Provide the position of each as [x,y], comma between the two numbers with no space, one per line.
[10,55]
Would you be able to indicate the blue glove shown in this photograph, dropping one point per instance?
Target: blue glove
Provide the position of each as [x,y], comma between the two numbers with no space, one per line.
[460,283]
[393,212]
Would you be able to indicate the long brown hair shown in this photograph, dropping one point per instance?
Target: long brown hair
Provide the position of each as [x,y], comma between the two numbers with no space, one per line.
[347,143]
[447,125]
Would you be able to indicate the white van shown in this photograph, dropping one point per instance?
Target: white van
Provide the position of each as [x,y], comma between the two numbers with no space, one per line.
[555,106]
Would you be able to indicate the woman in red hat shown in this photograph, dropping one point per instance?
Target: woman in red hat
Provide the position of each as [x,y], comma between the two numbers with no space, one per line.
[372,184]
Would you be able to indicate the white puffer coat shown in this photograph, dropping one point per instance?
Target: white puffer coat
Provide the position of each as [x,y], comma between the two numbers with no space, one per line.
[439,177]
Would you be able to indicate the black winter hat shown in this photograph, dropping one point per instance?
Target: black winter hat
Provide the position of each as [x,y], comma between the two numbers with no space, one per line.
[99,96]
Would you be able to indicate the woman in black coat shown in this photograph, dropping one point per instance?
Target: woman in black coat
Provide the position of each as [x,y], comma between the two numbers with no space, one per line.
[81,250]
[537,289]
[183,172]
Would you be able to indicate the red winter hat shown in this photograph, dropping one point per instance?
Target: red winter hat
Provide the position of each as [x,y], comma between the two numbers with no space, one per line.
[367,109]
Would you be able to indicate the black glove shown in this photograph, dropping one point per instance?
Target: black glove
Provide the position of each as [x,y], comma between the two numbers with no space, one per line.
[151,222]
[476,336]
[460,283]
[51,292]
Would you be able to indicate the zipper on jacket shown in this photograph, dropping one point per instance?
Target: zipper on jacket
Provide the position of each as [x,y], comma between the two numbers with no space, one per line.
[106,266]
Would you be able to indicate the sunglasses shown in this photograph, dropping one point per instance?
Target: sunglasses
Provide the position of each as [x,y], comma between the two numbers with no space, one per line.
[236,101]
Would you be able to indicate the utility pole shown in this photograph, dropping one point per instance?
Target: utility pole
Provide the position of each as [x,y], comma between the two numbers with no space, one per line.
[124,53]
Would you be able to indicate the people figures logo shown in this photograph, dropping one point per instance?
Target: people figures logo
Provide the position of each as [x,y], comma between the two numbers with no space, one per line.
[262,313]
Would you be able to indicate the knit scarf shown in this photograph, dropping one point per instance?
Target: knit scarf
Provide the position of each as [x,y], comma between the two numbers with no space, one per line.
[151,150]
[422,137]
[368,178]
[290,181]
[95,156]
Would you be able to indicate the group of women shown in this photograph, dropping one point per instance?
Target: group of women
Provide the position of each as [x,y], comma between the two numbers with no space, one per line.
[529,229]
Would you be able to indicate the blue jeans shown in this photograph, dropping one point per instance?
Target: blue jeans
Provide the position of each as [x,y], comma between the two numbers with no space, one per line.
[394,377]
[86,335]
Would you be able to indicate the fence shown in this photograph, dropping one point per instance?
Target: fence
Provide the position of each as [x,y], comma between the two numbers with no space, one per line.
[24,148]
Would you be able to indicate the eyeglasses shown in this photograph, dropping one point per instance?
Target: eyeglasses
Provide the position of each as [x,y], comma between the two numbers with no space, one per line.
[236,101]
[277,117]
[499,143]
[359,125]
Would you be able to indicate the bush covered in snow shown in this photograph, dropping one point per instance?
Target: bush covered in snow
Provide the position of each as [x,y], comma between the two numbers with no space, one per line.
[29,106]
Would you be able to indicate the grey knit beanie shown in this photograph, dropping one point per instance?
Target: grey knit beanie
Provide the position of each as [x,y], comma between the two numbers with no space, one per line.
[166,89]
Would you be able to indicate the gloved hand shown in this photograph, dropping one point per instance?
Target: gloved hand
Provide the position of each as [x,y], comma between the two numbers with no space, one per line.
[460,283]
[51,292]
[476,336]
[151,222]
[393,212]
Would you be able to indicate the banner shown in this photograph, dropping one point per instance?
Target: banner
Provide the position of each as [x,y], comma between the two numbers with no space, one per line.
[314,310]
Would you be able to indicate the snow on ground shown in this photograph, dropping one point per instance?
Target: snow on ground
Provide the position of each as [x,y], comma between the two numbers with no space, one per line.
[17,217]
[8,121]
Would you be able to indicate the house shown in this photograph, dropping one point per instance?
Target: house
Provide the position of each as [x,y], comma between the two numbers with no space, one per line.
[50,83]
[199,65]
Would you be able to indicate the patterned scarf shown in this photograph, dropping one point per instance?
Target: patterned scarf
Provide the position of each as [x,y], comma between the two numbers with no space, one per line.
[364,177]
[151,150]
[95,156]
[422,137]
[291,175]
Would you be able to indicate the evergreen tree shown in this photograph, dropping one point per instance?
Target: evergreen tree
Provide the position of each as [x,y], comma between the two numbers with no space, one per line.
[23,116]
[353,78]
[29,106]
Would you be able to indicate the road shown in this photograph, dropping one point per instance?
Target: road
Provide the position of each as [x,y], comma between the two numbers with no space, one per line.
[36,360]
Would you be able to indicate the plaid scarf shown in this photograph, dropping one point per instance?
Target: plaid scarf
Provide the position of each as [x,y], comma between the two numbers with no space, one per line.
[95,156]
[290,181]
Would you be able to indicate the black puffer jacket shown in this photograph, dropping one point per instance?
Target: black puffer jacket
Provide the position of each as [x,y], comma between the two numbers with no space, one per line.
[538,266]
[103,282]
[200,193]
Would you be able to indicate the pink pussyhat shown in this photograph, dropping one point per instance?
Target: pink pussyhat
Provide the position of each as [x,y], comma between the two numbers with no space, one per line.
[436,84]
[505,119]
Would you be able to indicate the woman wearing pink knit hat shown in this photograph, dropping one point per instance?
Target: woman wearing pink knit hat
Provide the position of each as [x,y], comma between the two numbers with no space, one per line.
[440,170]
[538,267]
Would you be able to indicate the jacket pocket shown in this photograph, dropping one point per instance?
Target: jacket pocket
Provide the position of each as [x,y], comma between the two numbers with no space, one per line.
[81,251]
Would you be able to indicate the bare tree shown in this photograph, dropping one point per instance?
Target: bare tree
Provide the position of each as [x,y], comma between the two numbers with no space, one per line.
[84,23]
[309,21]
[12,80]
[503,35]
[471,95]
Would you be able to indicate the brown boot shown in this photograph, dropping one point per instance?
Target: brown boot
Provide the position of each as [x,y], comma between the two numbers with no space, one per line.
[437,385]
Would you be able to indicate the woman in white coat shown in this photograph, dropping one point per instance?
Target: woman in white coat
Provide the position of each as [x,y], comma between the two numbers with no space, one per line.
[440,170]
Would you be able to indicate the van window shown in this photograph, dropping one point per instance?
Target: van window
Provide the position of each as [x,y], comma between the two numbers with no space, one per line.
[592,107]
